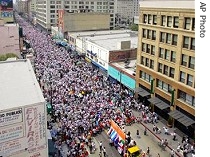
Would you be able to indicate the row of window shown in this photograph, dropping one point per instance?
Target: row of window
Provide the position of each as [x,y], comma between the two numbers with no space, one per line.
[167,54]
[147,62]
[186,78]
[148,48]
[188,61]
[186,98]
[145,76]
[168,38]
[189,43]
[149,34]
[169,21]
[164,86]
[166,70]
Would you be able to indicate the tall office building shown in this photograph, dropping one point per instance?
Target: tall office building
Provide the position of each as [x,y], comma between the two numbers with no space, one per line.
[126,10]
[47,10]
[166,59]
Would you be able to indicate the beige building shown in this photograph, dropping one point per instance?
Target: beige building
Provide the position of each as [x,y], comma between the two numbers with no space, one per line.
[166,58]
[22,6]
[83,21]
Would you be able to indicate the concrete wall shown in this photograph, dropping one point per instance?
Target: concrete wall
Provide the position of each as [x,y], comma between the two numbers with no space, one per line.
[86,21]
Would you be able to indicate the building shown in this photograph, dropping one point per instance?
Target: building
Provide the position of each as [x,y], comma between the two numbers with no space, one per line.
[31,9]
[83,21]
[10,44]
[166,59]
[126,10]
[23,111]
[6,11]
[22,6]
[47,10]
[112,52]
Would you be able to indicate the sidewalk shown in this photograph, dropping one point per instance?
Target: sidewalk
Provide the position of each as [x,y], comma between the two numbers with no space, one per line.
[155,148]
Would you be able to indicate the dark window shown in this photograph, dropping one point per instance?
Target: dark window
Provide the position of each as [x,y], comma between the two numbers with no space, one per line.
[186,42]
[174,39]
[160,67]
[176,22]
[165,70]
[184,60]
[192,45]
[189,80]
[182,76]
[191,62]
[162,37]
[172,71]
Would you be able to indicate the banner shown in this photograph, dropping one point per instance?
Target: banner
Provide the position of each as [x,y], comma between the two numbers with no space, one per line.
[118,130]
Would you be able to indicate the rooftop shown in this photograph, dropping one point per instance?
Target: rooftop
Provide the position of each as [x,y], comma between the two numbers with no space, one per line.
[129,68]
[109,39]
[182,4]
[18,84]
[10,44]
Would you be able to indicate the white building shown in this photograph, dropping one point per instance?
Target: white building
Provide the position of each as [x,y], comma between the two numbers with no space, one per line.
[98,45]
[126,10]
[23,115]
[47,9]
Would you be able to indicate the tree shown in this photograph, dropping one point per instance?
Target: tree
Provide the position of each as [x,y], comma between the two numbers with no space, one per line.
[6,56]
[134,27]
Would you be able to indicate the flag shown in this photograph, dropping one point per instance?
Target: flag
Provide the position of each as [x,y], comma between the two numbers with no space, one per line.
[113,135]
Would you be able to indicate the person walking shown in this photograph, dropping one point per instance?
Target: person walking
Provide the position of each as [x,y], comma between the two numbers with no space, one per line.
[137,134]
[100,146]
[104,151]
[148,151]
[174,136]
[158,155]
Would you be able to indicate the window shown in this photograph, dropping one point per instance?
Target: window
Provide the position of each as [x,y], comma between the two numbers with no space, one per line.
[193,24]
[149,34]
[165,70]
[160,84]
[163,20]
[162,37]
[168,38]
[169,21]
[187,23]
[165,87]
[174,39]
[154,19]
[186,42]
[170,89]
[52,2]
[167,54]
[173,56]
[189,80]
[153,35]
[149,19]
[191,62]
[147,62]
[148,48]
[192,45]
[152,49]
[181,95]
[182,76]
[58,2]
[145,18]
[172,71]
[142,74]
[184,60]
[142,60]
[92,3]
[161,52]
[151,64]
[176,22]
[143,47]
[144,33]
[52,6]
[147,78]
[160,67]
[52,11]
[189,99]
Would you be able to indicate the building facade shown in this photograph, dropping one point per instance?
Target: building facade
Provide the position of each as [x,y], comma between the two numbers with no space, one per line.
[83,21]
[126,10]
[166,55]
[47,10]
[22,6]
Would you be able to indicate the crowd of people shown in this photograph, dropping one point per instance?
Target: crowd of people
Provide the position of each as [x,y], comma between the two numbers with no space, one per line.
[83,100]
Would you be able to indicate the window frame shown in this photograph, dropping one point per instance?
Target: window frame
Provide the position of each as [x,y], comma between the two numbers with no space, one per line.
[176,23]
[174,42]
[168,38]
[169,21]
[184,60]
[191,61]
[187,23]
[171,74]
[186,43]
[189,82]
[182,77]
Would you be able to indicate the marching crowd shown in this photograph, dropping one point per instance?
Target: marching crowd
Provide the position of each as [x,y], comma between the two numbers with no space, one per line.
[83,99]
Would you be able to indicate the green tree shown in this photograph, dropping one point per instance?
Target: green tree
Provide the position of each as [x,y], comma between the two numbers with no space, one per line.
[6,56]
[134,27]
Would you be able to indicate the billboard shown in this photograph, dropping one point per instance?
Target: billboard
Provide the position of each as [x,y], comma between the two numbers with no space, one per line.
[6,9]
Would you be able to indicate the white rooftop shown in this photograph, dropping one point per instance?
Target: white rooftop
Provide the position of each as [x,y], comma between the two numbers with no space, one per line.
[182,4]
[18,85]
[109,39]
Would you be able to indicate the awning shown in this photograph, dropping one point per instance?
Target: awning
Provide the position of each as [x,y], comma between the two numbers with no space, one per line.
[142,92]
[180,117]
[159,103]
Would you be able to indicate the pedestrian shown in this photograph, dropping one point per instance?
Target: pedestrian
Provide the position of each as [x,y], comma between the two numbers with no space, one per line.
[100,146]
[104,151]
[174,136]
[148,150]
[137,134]
[145,131]
[158,155]
[172,153]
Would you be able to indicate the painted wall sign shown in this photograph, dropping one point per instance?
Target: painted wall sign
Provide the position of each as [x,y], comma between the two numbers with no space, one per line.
[35,128]
[11,117]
